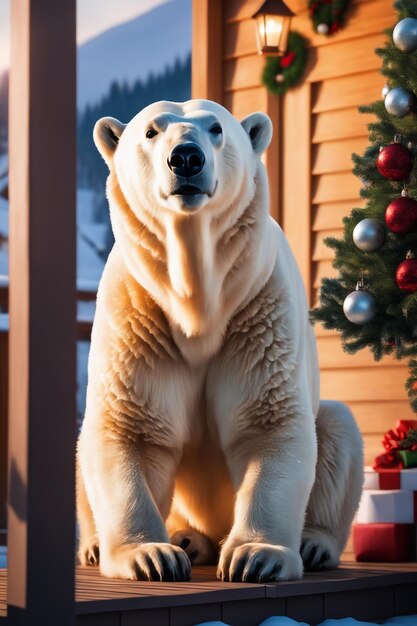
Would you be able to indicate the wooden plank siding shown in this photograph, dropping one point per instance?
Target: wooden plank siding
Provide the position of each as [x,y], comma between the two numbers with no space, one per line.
[317,127]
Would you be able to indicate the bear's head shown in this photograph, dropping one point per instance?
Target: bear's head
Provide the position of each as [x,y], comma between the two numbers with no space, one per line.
[182,157]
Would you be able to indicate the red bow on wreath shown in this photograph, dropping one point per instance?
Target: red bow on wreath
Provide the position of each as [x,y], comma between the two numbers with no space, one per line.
[288,59]
[400,444]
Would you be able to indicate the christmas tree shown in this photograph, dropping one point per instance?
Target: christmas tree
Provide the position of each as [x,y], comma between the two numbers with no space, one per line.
[373,300]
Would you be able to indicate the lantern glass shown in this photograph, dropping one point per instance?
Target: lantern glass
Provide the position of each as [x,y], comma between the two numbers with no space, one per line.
[272,27]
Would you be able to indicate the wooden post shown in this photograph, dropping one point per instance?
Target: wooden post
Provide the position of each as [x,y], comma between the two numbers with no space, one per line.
[207,53]
[41,528]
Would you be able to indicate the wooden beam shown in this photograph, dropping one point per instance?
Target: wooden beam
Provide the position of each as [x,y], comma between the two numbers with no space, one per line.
[41,527]
[207,50]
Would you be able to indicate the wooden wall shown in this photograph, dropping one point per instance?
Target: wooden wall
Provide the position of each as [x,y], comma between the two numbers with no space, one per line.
[317,127]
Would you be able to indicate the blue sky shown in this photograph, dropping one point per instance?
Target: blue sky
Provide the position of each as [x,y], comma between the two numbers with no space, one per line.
[93,17]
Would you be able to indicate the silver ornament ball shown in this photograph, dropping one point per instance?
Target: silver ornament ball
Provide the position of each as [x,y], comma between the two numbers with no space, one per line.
[369,234]
[385,90]
[399,101]
[405,35]
[359,306]
[323,29]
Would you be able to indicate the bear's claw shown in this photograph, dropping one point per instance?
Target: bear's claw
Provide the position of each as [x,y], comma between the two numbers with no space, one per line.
[318,551]
[258,563]
[89,554]
[147,561]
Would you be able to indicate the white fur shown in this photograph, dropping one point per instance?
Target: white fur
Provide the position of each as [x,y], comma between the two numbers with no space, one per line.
[203,386]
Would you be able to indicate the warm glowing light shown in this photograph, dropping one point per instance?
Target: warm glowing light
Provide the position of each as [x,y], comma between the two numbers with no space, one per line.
[273,25]
[272,29]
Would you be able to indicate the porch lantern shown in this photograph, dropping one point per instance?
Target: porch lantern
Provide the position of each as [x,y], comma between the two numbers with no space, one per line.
[272,27]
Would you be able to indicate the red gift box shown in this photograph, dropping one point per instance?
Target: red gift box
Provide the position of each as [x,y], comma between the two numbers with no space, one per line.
[390,543]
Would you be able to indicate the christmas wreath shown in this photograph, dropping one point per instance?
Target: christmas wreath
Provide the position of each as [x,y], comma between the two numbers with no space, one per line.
[327,15]
[282,73]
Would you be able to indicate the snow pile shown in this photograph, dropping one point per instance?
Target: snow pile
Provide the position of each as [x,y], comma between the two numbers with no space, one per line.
[405,620]
[91,241]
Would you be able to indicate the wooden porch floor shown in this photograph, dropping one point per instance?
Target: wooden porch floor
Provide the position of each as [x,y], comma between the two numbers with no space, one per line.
[364,591]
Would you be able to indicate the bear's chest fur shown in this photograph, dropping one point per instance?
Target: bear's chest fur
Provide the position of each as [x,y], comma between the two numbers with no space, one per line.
[199,269]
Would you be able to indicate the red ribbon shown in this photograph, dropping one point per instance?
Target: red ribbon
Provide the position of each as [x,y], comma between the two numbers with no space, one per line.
[392,443]
[389,478]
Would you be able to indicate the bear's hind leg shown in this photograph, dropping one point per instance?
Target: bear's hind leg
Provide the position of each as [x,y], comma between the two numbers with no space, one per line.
[337,489]
[199,548]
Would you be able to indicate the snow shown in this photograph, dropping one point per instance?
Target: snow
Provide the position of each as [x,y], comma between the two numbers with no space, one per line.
[4,322]
[3,556]
[3,165]
[86,310]
[83,349]
[84,284]
[85,205]
[91,242]
[4,235]
[89,264]
[404,620]
[94,234]
[4,217]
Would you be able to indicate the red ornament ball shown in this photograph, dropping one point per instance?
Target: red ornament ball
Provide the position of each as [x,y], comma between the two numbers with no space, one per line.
[407,275]
[401,215]
[395,162]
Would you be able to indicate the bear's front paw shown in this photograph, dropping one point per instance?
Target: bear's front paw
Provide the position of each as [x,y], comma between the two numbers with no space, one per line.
[259,563]
[199,548]
[147,561]
[89,552]
[319,550]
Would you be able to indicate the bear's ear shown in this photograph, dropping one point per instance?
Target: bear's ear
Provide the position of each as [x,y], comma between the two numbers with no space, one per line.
[258,126]
[106,134]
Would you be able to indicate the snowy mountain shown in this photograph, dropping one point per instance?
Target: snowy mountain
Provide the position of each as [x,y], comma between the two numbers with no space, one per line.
[132,50]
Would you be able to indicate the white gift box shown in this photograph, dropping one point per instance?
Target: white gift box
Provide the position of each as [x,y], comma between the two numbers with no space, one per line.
[374,480]
[389,506]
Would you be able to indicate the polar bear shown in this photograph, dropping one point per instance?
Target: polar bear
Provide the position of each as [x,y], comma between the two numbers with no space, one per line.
[204,440]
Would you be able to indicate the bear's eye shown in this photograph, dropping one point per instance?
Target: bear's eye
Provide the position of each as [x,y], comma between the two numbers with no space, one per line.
[216,129]
[151,132]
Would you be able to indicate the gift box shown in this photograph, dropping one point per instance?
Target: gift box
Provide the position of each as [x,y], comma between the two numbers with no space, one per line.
[390,506]
[390,479]
[391,543]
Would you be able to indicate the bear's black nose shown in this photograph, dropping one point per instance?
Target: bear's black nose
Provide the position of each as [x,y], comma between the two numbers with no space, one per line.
[186,159]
